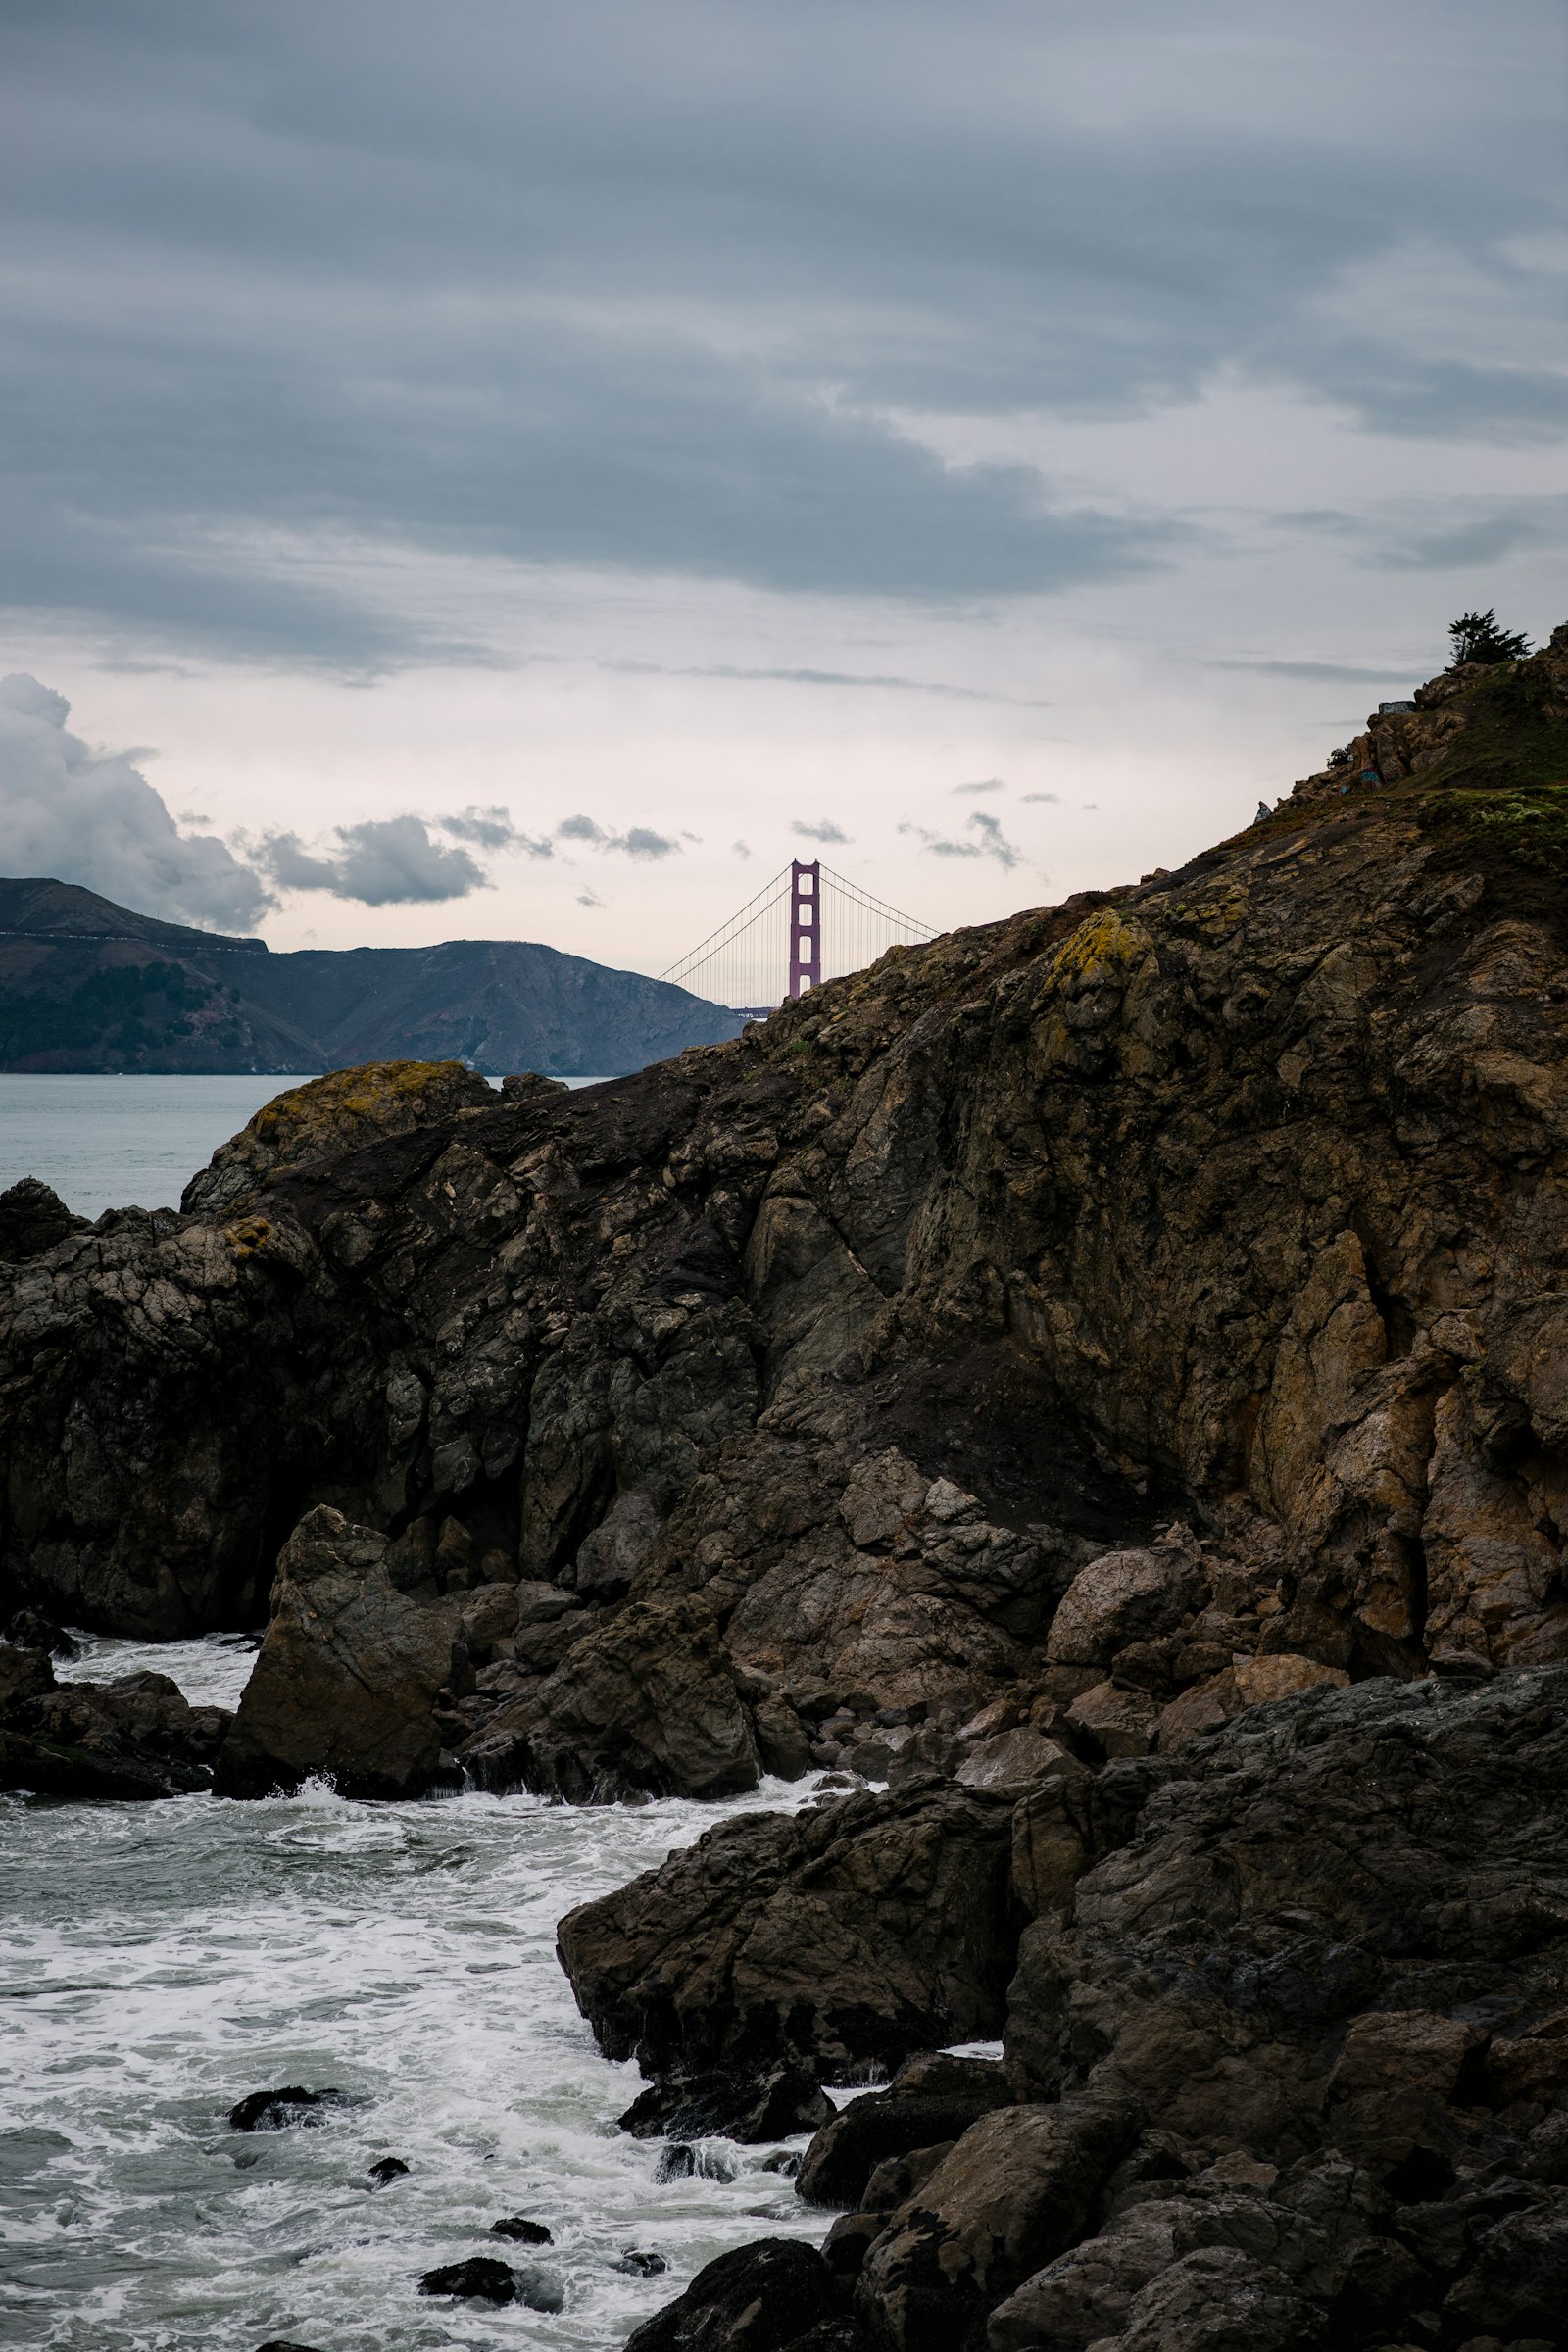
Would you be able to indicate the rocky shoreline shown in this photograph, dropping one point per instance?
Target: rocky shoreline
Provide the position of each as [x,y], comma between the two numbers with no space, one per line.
[1101,1379]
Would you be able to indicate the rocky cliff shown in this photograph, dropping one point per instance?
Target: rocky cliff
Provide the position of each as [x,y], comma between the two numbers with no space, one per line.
[1015,1374]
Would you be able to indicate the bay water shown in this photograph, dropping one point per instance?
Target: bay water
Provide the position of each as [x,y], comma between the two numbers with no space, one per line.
[160,1961]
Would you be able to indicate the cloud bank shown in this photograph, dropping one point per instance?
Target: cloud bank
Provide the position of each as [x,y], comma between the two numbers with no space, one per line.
[656,294]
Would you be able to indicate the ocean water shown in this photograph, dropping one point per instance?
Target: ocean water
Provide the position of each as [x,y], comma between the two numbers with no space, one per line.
[159,1961]
[123,1143]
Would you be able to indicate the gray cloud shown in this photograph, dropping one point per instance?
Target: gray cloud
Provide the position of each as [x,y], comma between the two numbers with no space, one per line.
[986,784]
[740,849]
[992,841]
[1053,797]
[491,284]
[385,861]
[493,829]
[637,840]
[1331,673]
[824,830]
[91,818]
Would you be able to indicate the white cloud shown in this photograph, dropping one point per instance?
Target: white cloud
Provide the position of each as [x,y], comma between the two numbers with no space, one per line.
[824,829]
[91,818]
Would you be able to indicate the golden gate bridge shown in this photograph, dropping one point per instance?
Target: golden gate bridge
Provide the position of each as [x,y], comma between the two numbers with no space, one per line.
[807,925]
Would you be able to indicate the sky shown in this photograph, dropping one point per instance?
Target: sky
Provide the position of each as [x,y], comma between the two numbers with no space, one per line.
[529,469]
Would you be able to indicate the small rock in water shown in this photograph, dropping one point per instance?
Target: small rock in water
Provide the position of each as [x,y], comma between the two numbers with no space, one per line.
[783,2160]
[280,2343]
[639,2262]
[677,2163]
[526,2233]
[479,2278]
[386,2169]
[276,2110]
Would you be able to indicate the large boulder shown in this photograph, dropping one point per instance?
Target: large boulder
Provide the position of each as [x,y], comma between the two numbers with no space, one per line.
[1019,2188]
[862,1931]
[645,1704]
[348,1676]
[1122,1598]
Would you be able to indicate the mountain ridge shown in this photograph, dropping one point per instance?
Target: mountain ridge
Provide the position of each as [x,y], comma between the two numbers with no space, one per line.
[86,985]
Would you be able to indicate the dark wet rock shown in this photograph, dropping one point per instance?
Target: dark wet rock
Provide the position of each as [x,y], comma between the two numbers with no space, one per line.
[784,2160]
[479,2279]
[349,1674]
[33,1220]
[278,2344]
[678,2162]
[933,2099]
[526,2233]
[386,2170]
[648,1702]
[640,2262]
[758,2298]
[282,2110]
[135,1738]
[879,1925]
[745,2103]
[30,1628]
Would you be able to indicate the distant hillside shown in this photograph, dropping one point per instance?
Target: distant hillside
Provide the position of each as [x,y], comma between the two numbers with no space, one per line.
[86,985]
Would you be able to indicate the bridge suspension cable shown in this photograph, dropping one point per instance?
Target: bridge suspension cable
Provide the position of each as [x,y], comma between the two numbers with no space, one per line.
[807,926]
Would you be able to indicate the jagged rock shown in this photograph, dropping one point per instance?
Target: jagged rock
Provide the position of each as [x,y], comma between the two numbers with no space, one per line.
[1017,2188]
[348,1675]
[874,1928]
[386,2170]
[328,1119]
[135,1738]
[1394,1834]
[33,1220]
[646,1702]
[765,2297]
[525,2232]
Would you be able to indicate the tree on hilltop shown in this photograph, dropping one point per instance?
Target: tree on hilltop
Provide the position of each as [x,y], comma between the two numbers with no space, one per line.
[1476,637]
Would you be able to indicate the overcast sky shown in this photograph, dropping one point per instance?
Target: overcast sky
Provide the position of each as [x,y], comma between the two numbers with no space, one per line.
[524,469]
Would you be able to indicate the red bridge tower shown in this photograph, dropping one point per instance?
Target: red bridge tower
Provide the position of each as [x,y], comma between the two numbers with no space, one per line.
[805,927]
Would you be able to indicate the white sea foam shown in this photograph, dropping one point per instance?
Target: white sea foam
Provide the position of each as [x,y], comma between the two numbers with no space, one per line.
[159,1961]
